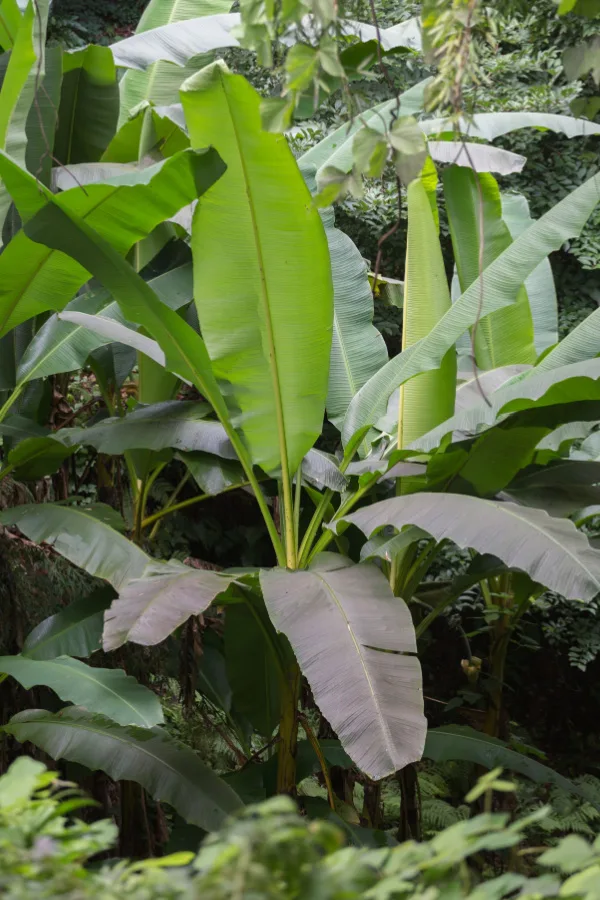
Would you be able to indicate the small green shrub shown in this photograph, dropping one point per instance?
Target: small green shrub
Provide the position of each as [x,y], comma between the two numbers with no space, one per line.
[270,852]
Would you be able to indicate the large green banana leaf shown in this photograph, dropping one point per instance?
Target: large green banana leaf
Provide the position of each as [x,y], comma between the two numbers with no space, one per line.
[503,279]
[149,130]
[76,630]
[35,278]
[541,292]
[183,348]
[551,551]
[428,399]
[474,208]
[109,692]
[87,536]
[580,344]
[169,771]
[89,105]
[159,84]
[25,68]
[357,349]
[259,247]
[355,643]
[10,19]
[62,346]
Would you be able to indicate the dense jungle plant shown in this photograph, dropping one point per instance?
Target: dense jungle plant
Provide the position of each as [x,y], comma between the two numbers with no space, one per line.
[270,851]
[266,324]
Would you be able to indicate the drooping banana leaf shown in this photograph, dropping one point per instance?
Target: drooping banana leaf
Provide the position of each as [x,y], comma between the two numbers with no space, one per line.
[463,743]
[503,279]
[156,602]
[169,771]
[567,384]
[259,245]
[159,84]
[109,692]
[473,202]
[148,131]
[87,536]
[355,643]
[75,630]
[551,551]
[489,126]
[35,278]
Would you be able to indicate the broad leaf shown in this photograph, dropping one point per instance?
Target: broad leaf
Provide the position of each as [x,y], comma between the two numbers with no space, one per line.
[184,349]
[355,643]
[322,471]
[109,692]
[551,551]
[503,279]
[168,770]
[251,667]
[472,391]
[212,474]
[162,598]
[463,743]
[176,42]
[36,457]
[114,332]
[74,631]
[36,278]
[473,202]
[579,344]
[358,350]
[489,126]
[429,398]
[84,535]
[259,244]
[337,148]
[61,346]
[476,157]
[535,388]
[181,425]
[159,83]
[24,70]
[89,105]
[541,292]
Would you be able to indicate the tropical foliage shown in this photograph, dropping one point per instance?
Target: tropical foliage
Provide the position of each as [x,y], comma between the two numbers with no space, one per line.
[171,255]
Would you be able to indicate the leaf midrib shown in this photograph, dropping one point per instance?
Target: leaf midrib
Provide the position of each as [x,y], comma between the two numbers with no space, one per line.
[384,727]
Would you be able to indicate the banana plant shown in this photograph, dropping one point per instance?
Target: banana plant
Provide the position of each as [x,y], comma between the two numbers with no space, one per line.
[264,295]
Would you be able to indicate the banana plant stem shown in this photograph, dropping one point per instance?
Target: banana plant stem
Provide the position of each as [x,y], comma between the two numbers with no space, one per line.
[14,396]
[327,536]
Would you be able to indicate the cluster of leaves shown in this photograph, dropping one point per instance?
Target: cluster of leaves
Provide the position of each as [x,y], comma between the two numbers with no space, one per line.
[268,851]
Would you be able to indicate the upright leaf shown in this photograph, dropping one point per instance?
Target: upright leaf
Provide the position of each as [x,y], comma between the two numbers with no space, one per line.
[358,349]
[260,246]
[429,398]
[503,280]
[168,770]
[477,228]
[89,105]
[355,643]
